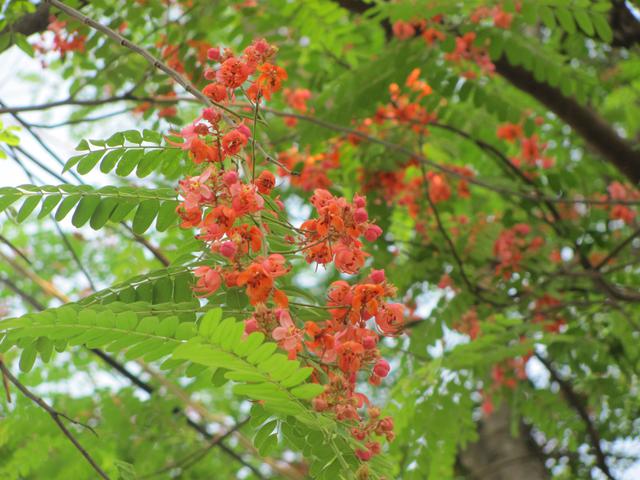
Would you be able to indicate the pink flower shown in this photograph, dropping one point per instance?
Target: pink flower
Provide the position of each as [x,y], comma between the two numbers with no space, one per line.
[360,215]
[250,325]
[209,280]
[372,233]
[230,177]
[213,54]
[287,335]
[243,129]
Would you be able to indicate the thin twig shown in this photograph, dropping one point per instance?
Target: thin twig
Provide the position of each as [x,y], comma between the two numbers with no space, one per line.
[472,180]
[156,62]
[81,120]
[191,459]
[56,416]
[474,289]
[621,246]
[576,402]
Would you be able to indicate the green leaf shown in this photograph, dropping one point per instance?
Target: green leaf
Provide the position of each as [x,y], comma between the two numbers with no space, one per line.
[22,43]
[87,163]
[602,27]
[566,19]
[147,211]
[547,16]
[308,391]
[167,216]
[49,204]
[102,212]
[66,205]
[27,207]
[583,21]
[129,161]
[110,159]
[133,136]
[85,210]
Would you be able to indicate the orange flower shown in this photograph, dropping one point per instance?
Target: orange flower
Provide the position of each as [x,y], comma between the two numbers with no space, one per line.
[216,92]
[258,283]
[201,152]
[265,182]
[509,132]
[270,79]
[350,356]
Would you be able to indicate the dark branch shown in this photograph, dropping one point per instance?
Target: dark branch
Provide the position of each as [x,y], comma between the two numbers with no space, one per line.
[584,121]
[55,415]
[578,405]
[30,23]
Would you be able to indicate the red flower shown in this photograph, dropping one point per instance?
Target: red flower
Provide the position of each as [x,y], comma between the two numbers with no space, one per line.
[265,182]
[270,79]
[233,73]
[216,92]
[233,142]
[349,356]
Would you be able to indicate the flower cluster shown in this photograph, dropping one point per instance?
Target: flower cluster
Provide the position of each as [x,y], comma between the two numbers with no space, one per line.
[312,170]
[234,71]
[335,235]
[511,245]
[618,191]
[296,99]
[64,39]
[227,202]
[531,152]
[469,324]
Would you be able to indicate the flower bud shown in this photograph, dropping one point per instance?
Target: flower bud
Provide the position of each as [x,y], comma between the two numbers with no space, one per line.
[213,54]
[360,215]
[250,325]
[372,233]
[228,249]
[382,368]
[230,177]
[377,276]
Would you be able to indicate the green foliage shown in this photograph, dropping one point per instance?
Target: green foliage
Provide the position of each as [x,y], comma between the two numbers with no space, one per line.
[125,152]
[94,206]
[347,57]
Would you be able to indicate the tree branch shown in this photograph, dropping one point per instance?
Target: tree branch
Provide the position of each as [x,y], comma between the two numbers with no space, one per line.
[56,416]
[30,23]
[584,121]
[442,168]
[576,402]
[154,61]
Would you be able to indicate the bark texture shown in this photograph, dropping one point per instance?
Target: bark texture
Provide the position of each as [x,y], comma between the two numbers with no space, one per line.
[499,456]
[584,121]
[31,23]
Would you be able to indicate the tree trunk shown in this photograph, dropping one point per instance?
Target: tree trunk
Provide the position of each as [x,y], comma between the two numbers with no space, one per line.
[497,455]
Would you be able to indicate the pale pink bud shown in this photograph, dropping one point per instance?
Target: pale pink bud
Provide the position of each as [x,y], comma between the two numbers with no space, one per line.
[372,233]
[369,343]
[213,54]
[382,368]
[377,276]
[250,325]
[359,201]
[230,177]
[360,215]
[244,130]
[228,249]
